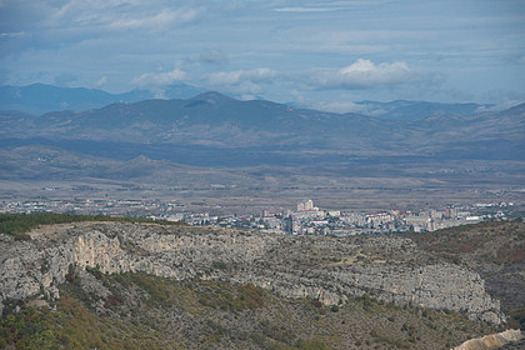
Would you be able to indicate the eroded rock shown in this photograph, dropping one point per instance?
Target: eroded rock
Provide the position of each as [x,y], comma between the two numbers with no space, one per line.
[330,269]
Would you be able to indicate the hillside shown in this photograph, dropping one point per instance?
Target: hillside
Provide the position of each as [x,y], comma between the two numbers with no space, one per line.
[189,287]
[496,250]
[415,110]
[142,311]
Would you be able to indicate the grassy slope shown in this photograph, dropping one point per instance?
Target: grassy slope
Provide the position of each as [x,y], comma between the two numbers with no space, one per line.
[496,250]
[150,312]
[158,313]
[501,242]
[19,224]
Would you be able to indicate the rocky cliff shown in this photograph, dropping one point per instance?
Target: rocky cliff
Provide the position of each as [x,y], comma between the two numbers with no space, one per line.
[326,268]
[493,341]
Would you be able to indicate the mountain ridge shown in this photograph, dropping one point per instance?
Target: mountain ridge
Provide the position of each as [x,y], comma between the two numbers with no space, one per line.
[39,98]
[307,150]
[215,119]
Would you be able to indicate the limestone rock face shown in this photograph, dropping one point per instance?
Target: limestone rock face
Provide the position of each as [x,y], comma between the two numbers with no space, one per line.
[492,341]
[326,268]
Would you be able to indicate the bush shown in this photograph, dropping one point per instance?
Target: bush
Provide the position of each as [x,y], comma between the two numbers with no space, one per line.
[95,271]
[113,300]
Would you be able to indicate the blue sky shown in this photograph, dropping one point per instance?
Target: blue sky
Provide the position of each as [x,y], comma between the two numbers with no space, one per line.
[317,54]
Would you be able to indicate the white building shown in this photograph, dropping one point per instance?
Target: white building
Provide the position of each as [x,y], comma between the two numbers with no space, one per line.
[307,205]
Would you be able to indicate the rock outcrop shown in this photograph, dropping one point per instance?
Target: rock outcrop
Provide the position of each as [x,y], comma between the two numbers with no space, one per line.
[330,269]
[492,341]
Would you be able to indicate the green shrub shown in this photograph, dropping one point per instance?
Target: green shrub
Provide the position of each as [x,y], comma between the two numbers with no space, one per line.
[18,225]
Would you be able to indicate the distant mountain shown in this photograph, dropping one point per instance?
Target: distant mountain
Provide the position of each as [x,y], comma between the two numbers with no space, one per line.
[213,130]
[42,98]
[403,110]
[49,163]
[182,91]
[210,119]
[252,146]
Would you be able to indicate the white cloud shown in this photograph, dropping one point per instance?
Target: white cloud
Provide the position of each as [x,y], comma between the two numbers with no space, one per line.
[119,14]
[403,48]
[161,79]
[338,107]
[304,9]
[248,97]
[12,35]
[363,74]
[245,82]
[163,19]
[101,82]
[328,6]
[366,71]
[240,76]
[343,103]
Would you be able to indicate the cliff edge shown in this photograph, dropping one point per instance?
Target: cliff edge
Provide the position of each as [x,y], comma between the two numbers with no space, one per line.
[329,269]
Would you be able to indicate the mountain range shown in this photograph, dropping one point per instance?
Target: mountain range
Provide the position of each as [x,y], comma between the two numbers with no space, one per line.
[213,138]
[212,123]
[41,98]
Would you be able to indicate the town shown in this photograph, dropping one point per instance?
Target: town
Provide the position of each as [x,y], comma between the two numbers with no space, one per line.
[306,219]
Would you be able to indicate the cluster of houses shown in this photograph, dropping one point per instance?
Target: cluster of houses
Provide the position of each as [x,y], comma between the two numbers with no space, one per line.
[306,219]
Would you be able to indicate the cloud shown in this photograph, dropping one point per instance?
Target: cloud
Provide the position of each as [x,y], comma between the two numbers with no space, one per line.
[246,82]
[12,35]
[161,79]
[503,98]
[343,103]
[96,16]
[161,20]
[248,97]
[304,9]
[339,107]
[240,76]
[328,6]
[363,74]
[213,57]
[398,45]
[65,79]
[101,82]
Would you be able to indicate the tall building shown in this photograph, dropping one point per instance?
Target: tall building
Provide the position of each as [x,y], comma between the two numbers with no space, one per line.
[306,205]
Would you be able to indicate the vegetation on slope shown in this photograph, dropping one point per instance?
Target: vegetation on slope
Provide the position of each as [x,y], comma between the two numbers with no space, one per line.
[135,311]
[142,311]
[19,224]
[500,242]
[496,250]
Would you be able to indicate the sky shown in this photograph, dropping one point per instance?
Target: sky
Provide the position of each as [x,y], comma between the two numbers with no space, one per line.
[317,54]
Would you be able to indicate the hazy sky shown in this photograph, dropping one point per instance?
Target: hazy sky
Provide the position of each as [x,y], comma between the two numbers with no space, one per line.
[320,54]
